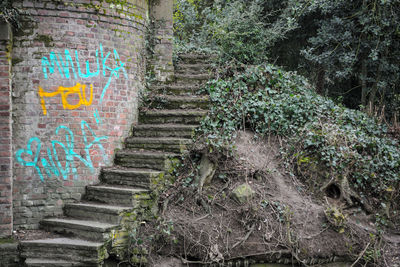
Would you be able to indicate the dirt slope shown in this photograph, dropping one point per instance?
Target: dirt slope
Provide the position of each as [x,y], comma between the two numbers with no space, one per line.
[282,222]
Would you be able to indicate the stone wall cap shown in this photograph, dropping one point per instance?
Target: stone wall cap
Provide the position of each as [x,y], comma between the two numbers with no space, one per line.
[8,246]
[5,31]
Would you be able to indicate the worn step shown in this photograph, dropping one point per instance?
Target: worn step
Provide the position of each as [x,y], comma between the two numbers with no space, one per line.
[168,144]
[192,78]
[144,159]
[117,195]
[164,130]
[193,68]
[111,214]
[85,229]
[128,176]
[54,263]
[75,250]
[179,102]
[186,116]
[176,89]
[195,58]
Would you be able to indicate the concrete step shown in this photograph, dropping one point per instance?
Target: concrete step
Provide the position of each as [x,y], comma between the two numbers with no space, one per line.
[128,176]
[110,214]
[168,144]
[117,195]
[54,263]
[192,78]
[175,89]
[160,161]
[190,58]
[183,116]
[179,102]
[164,130]
[84,229]
[65,249]
[183,68]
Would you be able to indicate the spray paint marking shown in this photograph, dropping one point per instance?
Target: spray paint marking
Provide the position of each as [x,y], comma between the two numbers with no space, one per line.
[78,89]
[68,68]
[52,165]
[66,64]
[97,117]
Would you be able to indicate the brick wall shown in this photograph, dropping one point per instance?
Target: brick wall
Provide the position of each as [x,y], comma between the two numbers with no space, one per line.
[5,133]
[77,71]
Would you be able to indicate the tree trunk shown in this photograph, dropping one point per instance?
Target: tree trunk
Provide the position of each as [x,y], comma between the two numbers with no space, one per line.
[364,89]
[372,96]
[320,84]
[374,90]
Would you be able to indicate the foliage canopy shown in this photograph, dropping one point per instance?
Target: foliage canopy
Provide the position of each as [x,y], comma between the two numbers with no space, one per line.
[353,46]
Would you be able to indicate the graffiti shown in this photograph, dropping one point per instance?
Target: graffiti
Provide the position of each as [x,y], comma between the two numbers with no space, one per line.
[60,158]
[97,117]
[52,165]
[66,64]
[78,89]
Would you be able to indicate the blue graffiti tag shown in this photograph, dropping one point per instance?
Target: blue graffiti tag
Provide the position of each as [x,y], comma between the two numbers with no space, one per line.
[53,166]
[114,72]
[65,64]
[88,73]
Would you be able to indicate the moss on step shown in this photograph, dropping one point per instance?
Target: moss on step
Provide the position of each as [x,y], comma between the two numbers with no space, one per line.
[6,241]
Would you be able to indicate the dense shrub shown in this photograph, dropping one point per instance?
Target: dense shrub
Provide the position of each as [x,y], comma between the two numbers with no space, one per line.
[352,50]
[359,41]
[325,142]
[9,14]
[240,30]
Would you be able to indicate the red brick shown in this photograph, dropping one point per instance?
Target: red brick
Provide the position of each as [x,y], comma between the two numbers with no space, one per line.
[27,78]
[64,14]
[4,107]
[5,153]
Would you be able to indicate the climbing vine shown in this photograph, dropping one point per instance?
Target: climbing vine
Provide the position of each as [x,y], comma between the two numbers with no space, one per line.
[326,143]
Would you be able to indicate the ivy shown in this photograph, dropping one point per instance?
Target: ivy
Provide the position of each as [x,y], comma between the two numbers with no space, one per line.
[318,132]
[9,14]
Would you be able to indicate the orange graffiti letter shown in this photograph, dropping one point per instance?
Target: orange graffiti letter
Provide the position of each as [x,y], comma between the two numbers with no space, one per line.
[43,94]
[65,92]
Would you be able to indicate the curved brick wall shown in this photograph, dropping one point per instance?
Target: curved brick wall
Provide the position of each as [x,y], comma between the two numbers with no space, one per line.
[77,70]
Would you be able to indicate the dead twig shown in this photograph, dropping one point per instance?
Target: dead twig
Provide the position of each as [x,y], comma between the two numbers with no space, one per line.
[317,234]
[201,218]
[246,236]
[221,206]
[185,261]
[269,253]
[361,254]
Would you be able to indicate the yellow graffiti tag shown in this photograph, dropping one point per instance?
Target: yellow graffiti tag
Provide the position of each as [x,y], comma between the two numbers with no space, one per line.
[78,89]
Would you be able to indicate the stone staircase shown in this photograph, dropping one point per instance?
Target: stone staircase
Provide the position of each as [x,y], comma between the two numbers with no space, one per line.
[93,226]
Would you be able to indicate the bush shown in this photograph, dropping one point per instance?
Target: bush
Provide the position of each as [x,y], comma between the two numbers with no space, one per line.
[325,143]
[352,48]
[9,14]
[239,29]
